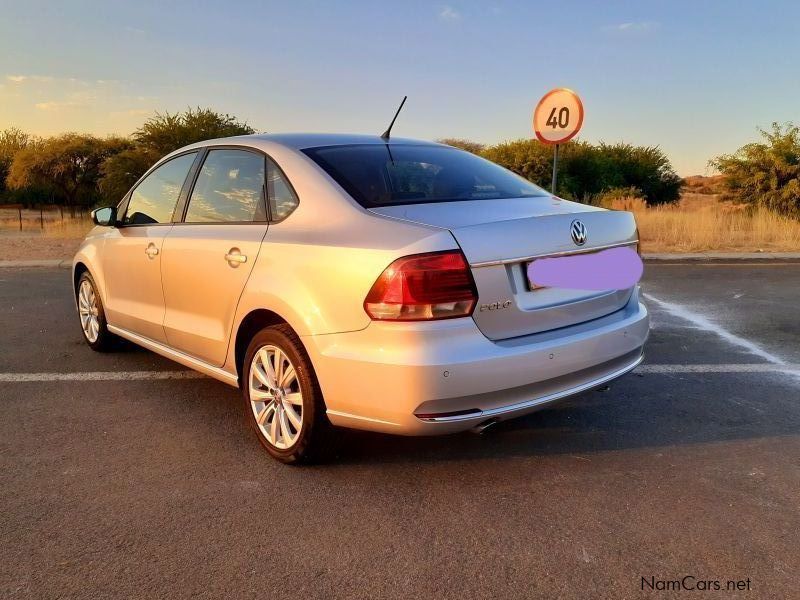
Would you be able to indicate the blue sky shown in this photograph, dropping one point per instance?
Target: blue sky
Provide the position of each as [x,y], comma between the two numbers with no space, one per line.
[696,78]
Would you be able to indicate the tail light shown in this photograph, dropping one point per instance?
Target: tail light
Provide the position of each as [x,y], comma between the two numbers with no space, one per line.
[423,287]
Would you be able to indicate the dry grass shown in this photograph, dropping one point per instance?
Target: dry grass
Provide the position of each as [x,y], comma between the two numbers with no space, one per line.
[70,229]
[700,222]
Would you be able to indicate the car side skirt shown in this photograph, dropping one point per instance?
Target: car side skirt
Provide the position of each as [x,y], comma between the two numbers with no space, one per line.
[179,357]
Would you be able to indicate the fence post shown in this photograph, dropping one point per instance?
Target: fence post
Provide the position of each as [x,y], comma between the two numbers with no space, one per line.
[41,217]
[20,218]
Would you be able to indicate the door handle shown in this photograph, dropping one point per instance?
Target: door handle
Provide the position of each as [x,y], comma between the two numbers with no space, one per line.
[151,250]
[235,257]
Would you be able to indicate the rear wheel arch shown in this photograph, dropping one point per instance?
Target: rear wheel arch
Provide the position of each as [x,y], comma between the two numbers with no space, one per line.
[253,322]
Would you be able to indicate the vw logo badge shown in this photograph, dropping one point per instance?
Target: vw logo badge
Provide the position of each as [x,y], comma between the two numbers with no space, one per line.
[578,232]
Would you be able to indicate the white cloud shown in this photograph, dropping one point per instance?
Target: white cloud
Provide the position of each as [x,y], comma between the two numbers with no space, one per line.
[51,105]
[24,78]
[634,27]
[448,13]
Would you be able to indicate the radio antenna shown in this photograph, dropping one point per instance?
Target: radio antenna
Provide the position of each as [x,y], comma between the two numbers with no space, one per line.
[385,135]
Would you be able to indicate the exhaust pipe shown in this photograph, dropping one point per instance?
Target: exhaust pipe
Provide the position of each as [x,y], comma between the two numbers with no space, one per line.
[481,427]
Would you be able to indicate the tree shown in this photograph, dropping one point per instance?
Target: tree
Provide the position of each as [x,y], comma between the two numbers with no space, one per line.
[68,164]
[120,171]
[159,136]
[468,145]
[12,141]
[166,132]
[766,173]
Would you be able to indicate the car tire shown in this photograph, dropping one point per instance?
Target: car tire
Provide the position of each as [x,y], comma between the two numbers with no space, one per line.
[288,416]
[92,315]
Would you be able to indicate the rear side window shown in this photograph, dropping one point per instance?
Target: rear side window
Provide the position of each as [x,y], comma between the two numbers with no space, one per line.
[229,188]
[282,199]
[383,175]
[154,199]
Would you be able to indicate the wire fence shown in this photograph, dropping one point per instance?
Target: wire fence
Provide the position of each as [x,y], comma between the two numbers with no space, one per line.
[43,218]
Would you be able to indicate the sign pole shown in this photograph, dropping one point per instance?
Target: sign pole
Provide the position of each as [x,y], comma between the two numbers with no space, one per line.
[555,168]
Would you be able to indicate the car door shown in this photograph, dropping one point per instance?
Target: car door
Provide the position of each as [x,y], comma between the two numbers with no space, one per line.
[132,252]
[208,258]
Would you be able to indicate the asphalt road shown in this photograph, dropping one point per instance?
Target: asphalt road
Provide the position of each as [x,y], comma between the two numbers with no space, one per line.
[154,488]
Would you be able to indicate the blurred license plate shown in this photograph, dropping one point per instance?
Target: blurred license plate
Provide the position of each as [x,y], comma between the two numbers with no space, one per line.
[616,268]
[532,287]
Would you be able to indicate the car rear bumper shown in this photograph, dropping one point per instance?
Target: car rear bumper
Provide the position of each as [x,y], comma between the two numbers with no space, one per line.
[446,376]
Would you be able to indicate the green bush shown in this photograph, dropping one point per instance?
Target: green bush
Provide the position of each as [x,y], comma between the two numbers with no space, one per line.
[646,168]
[765,173]
[587,170]
[528,158]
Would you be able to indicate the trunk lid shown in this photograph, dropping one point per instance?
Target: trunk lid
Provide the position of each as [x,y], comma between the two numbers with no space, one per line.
[499,239]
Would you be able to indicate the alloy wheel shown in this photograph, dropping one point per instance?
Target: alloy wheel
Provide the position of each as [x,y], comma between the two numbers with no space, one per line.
[89,311]
[275,397]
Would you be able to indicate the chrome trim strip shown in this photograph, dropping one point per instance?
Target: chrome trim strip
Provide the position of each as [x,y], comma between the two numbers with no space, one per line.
[338,413]
[504,410]
[508,261]
[178,356]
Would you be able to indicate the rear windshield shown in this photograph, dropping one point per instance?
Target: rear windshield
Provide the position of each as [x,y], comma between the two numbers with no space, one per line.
[382,175]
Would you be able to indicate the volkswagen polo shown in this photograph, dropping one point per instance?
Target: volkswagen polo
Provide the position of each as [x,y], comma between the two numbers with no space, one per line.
[357,281]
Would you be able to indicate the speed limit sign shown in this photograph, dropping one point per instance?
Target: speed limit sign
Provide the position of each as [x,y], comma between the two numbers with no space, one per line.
[557,119]
[558,116]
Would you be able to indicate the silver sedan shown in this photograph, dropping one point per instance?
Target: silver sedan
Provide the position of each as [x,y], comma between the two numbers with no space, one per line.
[355,281]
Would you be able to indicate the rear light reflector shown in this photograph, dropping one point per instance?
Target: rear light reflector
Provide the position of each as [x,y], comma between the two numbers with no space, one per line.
[423,287]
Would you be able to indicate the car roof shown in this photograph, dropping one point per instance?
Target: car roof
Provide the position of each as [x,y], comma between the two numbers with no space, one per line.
[300,141]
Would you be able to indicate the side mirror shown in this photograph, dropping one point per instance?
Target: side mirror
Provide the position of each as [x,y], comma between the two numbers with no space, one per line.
[106,216]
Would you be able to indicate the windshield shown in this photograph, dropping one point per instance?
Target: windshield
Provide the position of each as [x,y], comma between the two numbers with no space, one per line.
[382,175]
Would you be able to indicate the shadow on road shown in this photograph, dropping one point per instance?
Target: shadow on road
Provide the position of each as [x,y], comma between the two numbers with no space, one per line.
[638,412]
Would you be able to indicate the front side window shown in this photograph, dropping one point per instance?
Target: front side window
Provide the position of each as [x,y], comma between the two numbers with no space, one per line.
[154,199]
[383,175]
[282,199]
[229,189]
